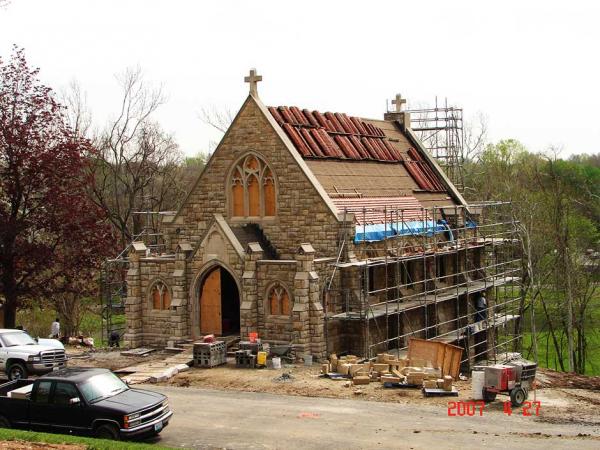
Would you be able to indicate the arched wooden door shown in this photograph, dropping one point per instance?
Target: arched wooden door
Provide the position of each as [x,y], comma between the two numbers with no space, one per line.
[219,303]
[210,303]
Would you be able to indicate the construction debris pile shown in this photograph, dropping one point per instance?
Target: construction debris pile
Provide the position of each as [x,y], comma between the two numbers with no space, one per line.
[430,365]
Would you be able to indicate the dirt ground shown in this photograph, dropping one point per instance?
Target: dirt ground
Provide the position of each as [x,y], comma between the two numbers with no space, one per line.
[564,398]
[558,404]
[109,359]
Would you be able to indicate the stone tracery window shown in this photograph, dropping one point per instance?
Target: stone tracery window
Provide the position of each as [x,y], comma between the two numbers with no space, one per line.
[160,296]
[252,189]
[279,301]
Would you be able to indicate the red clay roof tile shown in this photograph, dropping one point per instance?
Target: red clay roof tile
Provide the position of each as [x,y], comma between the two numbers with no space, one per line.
[336,135]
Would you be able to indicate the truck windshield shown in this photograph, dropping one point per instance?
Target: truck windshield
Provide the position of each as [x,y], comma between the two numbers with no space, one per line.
[102,386]
[18,338]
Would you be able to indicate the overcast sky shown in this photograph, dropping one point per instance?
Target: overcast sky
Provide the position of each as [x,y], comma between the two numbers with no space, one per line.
[532,67]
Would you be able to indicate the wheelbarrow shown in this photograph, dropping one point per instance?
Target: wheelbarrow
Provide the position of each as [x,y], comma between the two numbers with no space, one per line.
[282,351]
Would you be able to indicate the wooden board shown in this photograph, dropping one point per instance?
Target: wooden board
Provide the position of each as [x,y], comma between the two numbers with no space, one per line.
[452,357]
[441,355]
[210,304]
[140,351]
[430,392]
[430,351]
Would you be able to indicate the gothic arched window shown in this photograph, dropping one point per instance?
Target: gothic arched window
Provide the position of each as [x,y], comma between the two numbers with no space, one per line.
[252,189]
[160,296]
[279,301]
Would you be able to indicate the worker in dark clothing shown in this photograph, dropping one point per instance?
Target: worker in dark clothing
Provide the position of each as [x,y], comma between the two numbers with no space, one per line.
[113,339]
[480,308]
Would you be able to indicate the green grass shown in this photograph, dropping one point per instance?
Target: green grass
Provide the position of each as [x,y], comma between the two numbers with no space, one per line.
[547,354]
[90,443]
[548,357]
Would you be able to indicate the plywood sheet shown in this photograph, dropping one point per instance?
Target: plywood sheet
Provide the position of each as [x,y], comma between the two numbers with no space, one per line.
[441,355]
[210,304]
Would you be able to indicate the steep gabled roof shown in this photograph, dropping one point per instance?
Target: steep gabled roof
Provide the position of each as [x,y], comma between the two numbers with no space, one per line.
[338,136]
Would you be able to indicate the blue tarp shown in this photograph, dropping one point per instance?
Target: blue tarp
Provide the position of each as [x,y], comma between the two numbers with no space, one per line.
[379,232]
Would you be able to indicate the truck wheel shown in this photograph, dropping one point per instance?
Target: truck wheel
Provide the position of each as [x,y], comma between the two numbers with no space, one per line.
[518,396]
[16,371]
[4,423]
[488,396]
[107,432]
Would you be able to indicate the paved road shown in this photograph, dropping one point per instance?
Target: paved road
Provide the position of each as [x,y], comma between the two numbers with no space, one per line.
[245,420]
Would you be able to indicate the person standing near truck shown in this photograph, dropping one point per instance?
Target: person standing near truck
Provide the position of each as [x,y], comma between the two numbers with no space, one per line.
[55,329]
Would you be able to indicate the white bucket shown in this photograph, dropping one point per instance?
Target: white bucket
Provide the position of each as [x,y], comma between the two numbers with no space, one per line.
[477,381]
[308,360]
[276,362]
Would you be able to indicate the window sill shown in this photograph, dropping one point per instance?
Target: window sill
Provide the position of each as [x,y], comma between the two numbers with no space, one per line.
[251,219]
[278,317]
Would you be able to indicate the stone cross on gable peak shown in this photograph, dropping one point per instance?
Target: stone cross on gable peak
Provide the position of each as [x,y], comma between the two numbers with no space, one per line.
[398,101]
[253,80]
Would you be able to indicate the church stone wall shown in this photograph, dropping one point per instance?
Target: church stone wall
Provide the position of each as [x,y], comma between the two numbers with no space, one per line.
[302,215]
[272,327]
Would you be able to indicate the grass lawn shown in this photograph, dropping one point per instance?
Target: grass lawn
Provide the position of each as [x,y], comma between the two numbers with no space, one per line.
[547,354]
[548,357]
[91,443]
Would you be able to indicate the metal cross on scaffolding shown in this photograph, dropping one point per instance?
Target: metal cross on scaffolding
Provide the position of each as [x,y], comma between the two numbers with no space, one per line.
[253,79]
[398,101]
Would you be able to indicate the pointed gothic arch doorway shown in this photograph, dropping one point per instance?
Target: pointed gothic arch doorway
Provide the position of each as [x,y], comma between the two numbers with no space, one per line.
[218,303]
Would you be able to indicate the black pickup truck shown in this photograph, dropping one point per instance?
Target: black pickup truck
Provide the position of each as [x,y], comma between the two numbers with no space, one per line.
[83,401]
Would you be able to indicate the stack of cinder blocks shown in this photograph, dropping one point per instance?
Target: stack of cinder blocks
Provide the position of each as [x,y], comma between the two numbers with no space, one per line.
[210,354]
[254,347]
[245,359]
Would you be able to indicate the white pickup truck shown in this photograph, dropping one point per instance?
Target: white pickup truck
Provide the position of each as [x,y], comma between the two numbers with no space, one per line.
[21,355]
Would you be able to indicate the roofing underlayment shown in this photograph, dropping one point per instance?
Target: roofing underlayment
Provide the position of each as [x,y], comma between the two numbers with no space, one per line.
[379,218]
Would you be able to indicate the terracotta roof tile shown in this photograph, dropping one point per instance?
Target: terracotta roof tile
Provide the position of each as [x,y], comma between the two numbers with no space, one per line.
[336,135]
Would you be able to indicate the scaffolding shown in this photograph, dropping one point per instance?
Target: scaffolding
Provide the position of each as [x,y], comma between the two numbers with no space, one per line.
[440,129]
[113,276]
[425,283]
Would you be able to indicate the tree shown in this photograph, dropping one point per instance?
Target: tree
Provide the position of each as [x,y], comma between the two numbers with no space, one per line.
[137,166]
[49,229]
[556,207]
[219,119]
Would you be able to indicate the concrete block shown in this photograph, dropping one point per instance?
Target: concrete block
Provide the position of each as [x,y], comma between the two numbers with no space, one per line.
[344,368]
[381,367]
[362,379]
[333,360]
[431,373]
[358,368]
[430,384]
[447,383]
[390,379]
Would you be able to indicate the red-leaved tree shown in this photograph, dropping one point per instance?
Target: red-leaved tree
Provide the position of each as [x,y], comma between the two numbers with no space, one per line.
[50,231]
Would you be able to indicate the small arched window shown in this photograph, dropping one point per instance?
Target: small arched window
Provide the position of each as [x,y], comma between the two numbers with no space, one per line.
[160,296]
[279,301]
[252,189]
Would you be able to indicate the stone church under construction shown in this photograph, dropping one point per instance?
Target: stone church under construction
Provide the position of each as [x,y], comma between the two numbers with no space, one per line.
[330,232]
